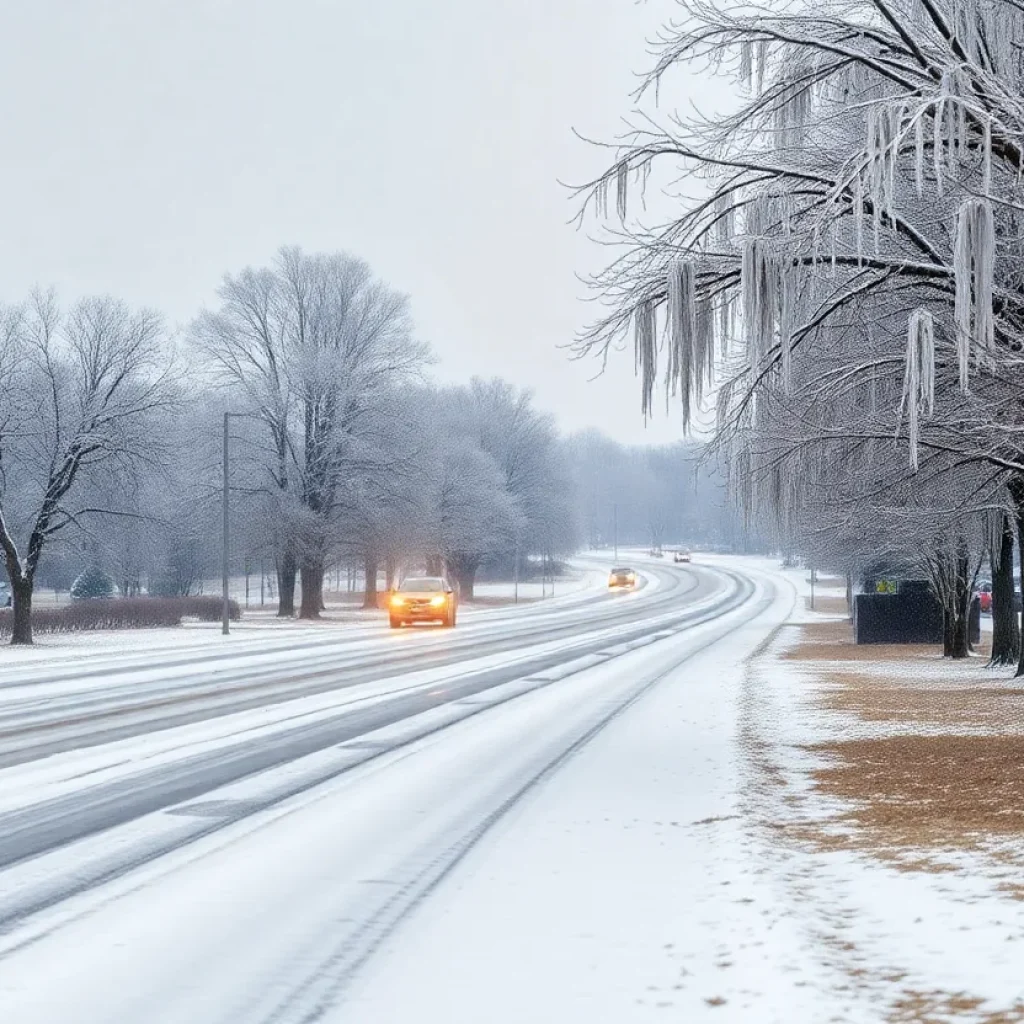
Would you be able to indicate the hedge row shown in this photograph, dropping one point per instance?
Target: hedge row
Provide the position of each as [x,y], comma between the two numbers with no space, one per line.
[123,613]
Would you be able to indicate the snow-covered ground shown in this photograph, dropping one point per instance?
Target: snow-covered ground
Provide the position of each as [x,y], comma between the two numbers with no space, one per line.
[634,836]
[271,917]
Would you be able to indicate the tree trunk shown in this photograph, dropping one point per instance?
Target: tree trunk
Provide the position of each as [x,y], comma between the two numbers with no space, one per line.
[463,568]
[1016,489]
[370,585]
[21,599]
[1005,625]
[286,572]
[391,571]
[956,616]
[312,588]
[959,635]
[849,596]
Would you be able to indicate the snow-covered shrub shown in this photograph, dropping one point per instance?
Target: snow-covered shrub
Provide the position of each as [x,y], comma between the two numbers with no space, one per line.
[93,584]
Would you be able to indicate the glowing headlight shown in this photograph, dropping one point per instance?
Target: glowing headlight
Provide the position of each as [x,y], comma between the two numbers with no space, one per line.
[437,601]
[397,599]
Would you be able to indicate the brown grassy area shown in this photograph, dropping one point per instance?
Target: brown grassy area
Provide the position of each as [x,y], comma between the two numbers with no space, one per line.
[955,784]
[935,768]
[963,705]
[828,604]
[833,641]
[928,791]
[940,1007]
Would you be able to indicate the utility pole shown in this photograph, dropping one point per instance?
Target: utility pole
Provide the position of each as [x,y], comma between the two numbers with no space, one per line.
[225,627]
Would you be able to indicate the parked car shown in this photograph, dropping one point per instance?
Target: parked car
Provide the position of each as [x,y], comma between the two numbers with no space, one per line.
[682,556]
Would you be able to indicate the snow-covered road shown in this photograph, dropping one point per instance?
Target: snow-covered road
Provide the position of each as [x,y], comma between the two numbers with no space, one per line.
[236,835]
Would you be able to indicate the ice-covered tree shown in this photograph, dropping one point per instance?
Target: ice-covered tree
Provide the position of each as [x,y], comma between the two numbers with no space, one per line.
[81,389]
[843,266]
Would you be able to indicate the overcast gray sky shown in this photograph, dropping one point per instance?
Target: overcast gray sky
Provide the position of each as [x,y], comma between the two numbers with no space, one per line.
[151,145]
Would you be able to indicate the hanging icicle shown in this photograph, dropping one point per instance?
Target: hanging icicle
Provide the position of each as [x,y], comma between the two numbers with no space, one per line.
[621,189]
[788,303]
[759,283]
[703,345]
[681,329]
[918,378]
[986,158]
[645,325]
[762,64]
[723,406]
[938,137]
[725,216]
[746,63]
[919,154]
[974,273]
[858,215]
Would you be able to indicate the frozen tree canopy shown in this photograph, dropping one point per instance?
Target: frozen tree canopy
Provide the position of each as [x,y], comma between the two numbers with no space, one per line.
[841,272]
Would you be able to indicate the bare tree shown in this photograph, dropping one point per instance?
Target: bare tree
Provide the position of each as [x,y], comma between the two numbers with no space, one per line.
[79,390]
[311,347]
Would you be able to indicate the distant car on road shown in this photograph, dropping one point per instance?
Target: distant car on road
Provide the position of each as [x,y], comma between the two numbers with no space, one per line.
[423,599]
[682,556]
[622,578]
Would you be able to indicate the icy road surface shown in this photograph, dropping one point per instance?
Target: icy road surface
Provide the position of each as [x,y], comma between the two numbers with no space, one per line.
[507,822]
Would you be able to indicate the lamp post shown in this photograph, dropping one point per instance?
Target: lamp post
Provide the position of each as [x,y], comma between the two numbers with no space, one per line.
[225,626]
[225,616]
[515,571]
[615,529]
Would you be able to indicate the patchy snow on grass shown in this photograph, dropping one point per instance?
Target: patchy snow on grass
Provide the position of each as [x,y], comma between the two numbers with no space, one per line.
[894,784]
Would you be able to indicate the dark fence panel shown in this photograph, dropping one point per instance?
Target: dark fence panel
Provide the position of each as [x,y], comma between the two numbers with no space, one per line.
[912,616]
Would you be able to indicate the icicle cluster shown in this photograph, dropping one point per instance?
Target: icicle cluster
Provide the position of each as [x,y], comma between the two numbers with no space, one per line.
[792,114]
[918,377]
[759,282]
[990,32]
[974,271]
[621,189]
[725,219]
[788,305]
[682,326]
[691,336]
[885,128]
[645,342]
[754,64]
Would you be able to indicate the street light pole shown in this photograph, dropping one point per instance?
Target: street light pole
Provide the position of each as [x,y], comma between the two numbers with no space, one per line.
[615,529]
[515,571]
[225,627]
